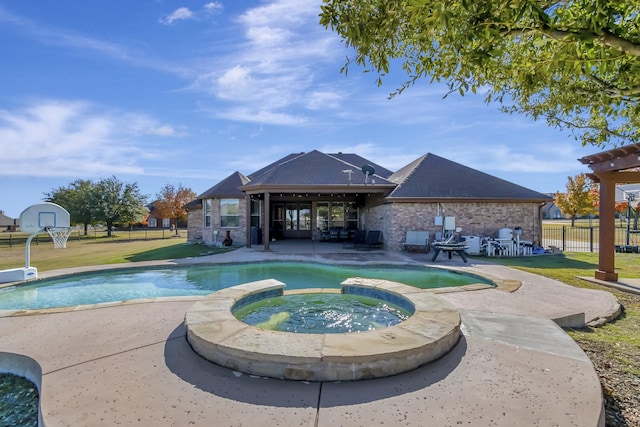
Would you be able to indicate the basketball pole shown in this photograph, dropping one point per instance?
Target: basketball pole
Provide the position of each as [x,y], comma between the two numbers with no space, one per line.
[27,250]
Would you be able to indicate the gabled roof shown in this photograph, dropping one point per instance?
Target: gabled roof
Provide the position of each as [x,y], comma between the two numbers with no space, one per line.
[312,169]
[6,221]
[228,187]
[433,177]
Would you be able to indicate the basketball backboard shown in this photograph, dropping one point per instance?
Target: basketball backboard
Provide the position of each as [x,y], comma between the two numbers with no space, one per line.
[35,218]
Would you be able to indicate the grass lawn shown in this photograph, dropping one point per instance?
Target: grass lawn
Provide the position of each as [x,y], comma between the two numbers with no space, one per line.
[100,251]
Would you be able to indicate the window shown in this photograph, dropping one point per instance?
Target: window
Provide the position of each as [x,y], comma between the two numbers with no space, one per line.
[166,222]
[298,216]
[337,214]
[207,213]
[322,216]
[153,222]
[230,213]
[256,207]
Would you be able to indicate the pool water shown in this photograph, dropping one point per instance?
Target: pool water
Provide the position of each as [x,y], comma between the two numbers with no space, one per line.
[122,285]
[18,401]
[317,313]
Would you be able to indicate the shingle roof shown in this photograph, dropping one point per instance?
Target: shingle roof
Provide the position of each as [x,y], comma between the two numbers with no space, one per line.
[5,220]
[359,162]
[228,187]
[434,177]
[194,204]
[312,168]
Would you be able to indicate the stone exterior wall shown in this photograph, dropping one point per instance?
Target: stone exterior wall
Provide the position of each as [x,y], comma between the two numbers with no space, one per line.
[475,219]
[195,221]
[196,229]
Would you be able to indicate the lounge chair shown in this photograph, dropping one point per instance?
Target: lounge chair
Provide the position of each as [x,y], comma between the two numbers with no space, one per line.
[373,240]
[359,238]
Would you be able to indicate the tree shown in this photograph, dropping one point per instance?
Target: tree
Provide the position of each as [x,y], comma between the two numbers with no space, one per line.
[114,201]
[575,63]
[578,199]
[76,200]
[171,201]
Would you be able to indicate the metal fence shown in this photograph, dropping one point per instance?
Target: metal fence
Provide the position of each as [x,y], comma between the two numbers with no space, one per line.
[15,239]
[586,239]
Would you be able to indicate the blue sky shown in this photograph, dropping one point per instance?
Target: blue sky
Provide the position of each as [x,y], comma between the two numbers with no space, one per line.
[159,91]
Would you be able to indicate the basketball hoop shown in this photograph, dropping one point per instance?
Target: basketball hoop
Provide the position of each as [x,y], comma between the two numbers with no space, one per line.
[59,235]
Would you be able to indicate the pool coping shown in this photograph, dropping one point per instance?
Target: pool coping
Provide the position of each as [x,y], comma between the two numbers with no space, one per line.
[218,336]
[506,285]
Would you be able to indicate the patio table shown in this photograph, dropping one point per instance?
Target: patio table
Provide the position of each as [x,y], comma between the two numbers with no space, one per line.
[449,248]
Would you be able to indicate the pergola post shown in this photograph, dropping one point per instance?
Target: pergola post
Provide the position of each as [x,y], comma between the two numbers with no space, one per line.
[606,253]
[617,166]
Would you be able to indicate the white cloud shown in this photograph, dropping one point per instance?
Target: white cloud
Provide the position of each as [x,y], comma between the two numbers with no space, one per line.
[213,7]
[261,116]
[180,14]
[272,71]
[74,138]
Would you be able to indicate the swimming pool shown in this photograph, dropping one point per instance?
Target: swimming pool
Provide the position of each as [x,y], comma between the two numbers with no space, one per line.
[132,284]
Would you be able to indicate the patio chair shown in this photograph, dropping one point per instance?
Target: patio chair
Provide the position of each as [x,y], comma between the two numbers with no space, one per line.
[334,233]
[359,237]
[373,240]
[416,239]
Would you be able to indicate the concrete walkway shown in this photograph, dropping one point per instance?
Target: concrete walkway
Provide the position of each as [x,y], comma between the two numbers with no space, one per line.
[130,364]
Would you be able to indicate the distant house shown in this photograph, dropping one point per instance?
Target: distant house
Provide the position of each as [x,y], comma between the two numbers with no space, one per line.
[303,195]
[7,223]
[155,220]
[551,210]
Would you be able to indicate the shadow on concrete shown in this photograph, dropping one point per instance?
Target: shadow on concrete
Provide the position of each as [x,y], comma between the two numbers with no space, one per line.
[211,378]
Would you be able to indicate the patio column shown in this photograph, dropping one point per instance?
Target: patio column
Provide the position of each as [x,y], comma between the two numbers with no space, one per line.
[248,219]
[606,261]
[267,221]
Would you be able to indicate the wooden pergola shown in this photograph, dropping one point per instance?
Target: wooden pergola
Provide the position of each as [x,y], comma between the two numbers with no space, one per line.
[616,166]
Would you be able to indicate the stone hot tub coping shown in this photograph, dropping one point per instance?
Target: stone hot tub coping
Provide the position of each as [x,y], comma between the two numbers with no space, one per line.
[217,335]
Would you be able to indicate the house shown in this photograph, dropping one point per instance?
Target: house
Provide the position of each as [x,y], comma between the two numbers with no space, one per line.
[551,210]
[155,219]
[304,195]
[7,223]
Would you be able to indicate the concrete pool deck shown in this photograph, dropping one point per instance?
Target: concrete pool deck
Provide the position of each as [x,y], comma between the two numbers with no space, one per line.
[130,363]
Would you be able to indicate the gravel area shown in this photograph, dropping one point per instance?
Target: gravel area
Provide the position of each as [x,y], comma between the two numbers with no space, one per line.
[621,388]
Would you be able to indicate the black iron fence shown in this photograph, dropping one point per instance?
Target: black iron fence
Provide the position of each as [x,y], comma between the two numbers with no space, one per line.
[13,239]
[587,239]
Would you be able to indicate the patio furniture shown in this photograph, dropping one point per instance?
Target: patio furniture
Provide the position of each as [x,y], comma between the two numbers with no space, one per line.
[373,240]
[359,238]
[416,239]
[449,248]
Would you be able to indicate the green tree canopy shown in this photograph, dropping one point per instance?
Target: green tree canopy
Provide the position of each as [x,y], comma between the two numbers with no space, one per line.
[575,63]
[76,200]
[171,201]
[116,202]
[579,199]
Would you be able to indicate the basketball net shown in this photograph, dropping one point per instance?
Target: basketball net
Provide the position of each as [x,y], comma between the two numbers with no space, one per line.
[59,235]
